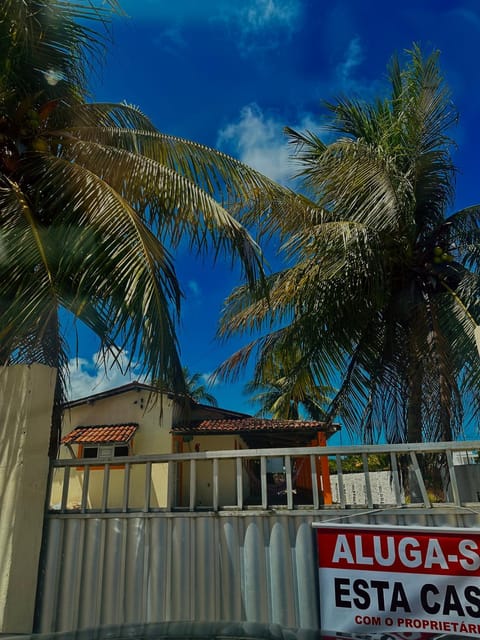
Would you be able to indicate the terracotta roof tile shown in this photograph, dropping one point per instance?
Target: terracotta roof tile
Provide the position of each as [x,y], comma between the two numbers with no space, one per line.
[108,433]
[251,425]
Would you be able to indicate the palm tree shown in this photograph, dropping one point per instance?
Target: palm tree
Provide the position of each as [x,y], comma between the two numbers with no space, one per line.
[94,200]
[197,389]
[288,390]
[381,291]
[191,384]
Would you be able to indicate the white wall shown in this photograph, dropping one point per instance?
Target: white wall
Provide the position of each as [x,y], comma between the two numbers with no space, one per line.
[25,417]
[355,492]
[227,494]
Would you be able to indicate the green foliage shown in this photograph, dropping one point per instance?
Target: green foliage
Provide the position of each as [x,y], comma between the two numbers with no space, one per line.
[354,464]
[286,389]
[363,298]
[194,387]
[91,196]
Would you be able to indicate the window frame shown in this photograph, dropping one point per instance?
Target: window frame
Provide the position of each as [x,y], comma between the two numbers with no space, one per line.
[107,459]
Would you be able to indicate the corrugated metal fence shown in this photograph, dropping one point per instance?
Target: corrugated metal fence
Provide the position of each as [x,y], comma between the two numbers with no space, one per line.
[254,564]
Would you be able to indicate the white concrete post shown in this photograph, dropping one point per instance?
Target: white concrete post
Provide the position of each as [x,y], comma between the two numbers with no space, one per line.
[26,401]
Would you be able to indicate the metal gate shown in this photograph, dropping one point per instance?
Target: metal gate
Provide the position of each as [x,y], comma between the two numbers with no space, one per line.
[104,564]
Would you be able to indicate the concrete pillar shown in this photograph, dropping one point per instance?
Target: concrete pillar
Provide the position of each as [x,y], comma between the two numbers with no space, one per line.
[26,400]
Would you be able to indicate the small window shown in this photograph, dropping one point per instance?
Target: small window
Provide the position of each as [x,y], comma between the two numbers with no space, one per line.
[104,453]
[122,450]
[89,452]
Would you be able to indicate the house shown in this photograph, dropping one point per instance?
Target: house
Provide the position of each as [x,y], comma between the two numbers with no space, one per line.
[137,419]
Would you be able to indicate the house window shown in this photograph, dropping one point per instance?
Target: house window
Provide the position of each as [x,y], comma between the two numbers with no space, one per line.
[103,443]
[105,452]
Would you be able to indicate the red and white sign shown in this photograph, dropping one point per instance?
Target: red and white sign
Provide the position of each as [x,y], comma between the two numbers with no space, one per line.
[376,579]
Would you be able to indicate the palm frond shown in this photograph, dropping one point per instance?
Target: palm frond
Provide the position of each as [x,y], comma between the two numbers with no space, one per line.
[381,289]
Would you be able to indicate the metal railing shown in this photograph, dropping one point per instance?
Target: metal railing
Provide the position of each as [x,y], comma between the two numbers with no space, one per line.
[412,475]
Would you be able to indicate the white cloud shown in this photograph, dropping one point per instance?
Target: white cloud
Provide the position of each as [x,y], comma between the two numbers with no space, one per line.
[261,14]
[255,25]
[347,79]
[194,288]
[261,24]
[210,379]
[88,376]
[353,58]
[472,18]
[171,40]
[251,15]
[259,141]
[180,11]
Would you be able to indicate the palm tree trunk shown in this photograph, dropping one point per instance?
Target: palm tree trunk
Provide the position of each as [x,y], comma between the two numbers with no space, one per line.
[445,383]
[53,356]
[56,429]
[445,410]
[414,414]
[414,401]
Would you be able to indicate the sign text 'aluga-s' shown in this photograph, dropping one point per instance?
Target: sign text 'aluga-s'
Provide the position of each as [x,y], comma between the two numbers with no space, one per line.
[399,579]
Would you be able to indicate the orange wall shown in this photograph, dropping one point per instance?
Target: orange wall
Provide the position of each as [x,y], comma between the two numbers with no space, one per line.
[304,477]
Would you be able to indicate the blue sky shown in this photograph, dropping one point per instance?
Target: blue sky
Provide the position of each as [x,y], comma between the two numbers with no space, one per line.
[232,73]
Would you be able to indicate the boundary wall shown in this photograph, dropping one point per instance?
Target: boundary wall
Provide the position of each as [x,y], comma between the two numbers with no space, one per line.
[145,568]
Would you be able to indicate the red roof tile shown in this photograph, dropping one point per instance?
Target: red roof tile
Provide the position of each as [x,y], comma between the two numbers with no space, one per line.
[108,433]
[253,425]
